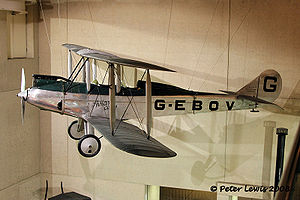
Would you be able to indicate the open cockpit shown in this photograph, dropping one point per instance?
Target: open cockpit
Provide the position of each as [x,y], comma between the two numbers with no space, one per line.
[58,83]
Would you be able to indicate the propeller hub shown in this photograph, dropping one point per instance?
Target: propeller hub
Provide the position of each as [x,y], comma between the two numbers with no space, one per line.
[23,95]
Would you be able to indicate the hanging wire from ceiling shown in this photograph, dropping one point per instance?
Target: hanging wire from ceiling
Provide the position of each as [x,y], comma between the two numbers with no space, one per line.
[226,48]
[227,83]
[93,25]
[228,43]
[44,19]
[168,32]
[58,10]
[62,52]
[227,75]
[205,40]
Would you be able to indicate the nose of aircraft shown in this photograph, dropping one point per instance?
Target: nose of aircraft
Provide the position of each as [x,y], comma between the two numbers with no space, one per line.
[22,94]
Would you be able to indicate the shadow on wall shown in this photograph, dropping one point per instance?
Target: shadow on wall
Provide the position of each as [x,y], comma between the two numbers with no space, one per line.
[239,138]
[201,156]
[292,105]
[231,160]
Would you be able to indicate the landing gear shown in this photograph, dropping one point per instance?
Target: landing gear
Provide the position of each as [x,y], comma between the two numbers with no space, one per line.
[76,130]
[254,109]
[89,145]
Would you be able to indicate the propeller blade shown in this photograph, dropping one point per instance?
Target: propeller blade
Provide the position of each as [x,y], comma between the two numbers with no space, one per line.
[23,80]
[22,99]
[22,110]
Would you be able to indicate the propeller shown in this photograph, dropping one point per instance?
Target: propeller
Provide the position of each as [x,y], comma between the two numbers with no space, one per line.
[22,98]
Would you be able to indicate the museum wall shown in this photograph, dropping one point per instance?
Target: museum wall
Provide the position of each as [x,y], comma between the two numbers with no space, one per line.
[19,144]
[212,45]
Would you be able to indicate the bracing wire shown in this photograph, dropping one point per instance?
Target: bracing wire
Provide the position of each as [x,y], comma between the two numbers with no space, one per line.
[143,75]
[72,81]
[124,113]
[99,93]
[75,68]
[132,106]
[130,103]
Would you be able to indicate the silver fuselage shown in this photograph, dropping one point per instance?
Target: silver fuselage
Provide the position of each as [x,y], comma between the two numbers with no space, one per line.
[81,105]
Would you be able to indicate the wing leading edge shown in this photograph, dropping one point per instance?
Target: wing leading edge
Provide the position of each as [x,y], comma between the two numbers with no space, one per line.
[131,139]
[111,58]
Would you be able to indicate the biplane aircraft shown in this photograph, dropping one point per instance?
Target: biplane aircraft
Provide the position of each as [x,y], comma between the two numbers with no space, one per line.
[108,107]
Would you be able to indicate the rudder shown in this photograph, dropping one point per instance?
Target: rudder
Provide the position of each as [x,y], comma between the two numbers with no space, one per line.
[266,86]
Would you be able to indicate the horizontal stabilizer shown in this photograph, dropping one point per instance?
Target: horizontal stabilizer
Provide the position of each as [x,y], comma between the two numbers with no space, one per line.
[112,58]
[227,92]
[258,101]
[131,139]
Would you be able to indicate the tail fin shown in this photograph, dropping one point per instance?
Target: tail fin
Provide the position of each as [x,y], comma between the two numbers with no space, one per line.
[266,86]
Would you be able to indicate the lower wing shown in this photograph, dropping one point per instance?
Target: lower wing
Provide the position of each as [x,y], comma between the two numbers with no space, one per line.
[130,139]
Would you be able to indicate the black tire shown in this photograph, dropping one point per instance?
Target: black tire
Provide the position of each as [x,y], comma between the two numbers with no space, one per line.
[89,146]
[73,127]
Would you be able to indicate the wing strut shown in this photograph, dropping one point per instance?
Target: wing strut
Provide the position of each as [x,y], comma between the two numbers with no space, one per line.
[148,103]
[118,78]
[112,98]
[135,77]
[84,73]
[87,76]
[69,63]
[94,69]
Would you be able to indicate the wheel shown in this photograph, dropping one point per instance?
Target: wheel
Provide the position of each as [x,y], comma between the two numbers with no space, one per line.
[89,146]
[74,131]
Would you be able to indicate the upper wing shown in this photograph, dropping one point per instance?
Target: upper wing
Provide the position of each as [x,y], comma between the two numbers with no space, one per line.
[108,57]
[131,139]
